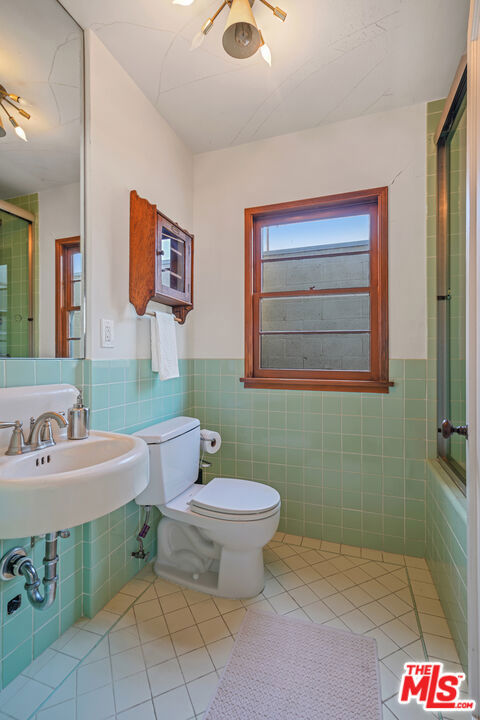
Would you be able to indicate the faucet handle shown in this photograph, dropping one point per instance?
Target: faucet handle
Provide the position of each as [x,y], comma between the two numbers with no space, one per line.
[14,424]
[17,441]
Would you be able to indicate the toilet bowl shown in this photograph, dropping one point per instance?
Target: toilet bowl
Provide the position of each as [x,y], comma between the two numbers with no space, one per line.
[210,537]
[227,544]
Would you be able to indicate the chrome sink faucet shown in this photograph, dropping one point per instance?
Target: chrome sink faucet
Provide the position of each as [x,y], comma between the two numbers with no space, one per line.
[40,436]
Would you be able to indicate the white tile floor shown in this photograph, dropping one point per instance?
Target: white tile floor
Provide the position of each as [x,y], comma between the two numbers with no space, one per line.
[161,657]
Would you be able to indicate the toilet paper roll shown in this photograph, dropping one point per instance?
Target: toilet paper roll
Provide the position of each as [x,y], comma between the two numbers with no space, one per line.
[210,441]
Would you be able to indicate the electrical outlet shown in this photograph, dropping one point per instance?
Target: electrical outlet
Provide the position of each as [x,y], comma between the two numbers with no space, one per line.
[107,333]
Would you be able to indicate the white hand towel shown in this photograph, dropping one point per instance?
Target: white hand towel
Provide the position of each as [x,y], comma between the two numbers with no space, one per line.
[164,346]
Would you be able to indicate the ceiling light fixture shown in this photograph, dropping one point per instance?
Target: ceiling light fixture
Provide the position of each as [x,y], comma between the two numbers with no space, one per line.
[241,37]
[14,101]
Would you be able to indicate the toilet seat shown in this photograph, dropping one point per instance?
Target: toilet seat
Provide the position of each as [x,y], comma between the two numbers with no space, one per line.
[234,499]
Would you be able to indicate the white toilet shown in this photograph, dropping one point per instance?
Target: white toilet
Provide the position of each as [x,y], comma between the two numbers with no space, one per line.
[210,536]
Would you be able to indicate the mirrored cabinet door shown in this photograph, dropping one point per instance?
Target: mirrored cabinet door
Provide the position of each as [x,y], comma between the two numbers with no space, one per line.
[173,260]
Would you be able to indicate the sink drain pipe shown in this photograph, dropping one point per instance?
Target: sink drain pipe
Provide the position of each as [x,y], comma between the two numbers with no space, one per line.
[15,563]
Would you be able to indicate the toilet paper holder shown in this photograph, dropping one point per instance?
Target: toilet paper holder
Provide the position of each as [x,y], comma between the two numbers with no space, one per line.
[210,441]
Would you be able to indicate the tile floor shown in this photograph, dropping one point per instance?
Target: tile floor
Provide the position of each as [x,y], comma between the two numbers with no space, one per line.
[156,650]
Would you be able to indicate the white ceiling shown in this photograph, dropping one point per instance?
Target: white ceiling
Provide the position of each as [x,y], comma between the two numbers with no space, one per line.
[41,60]
[332,60]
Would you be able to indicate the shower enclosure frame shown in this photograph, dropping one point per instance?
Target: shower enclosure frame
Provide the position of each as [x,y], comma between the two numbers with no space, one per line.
[30,219]
[445,128]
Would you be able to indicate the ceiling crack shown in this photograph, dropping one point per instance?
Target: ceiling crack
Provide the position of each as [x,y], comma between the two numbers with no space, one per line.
[298,70]
[51,84]
[162,66]
[357,84]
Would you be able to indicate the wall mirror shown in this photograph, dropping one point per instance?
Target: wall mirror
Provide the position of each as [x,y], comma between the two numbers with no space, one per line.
[41,181]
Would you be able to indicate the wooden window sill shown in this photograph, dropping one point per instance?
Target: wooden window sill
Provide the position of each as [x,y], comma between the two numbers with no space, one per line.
[372,386]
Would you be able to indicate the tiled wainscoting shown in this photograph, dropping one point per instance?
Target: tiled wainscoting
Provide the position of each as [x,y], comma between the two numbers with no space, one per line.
[95,561]
[124,396]
[28,632]
[156,651]
[349,467]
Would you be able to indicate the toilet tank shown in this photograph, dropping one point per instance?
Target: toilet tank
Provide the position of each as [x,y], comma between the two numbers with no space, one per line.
[174,447]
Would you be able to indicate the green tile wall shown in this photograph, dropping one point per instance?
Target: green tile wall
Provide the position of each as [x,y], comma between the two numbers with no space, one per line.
[349,467]
[95,561]
[124,396]
[446,543]
[446,551]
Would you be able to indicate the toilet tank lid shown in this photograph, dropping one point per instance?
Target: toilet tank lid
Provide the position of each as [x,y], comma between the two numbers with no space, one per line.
[167,430]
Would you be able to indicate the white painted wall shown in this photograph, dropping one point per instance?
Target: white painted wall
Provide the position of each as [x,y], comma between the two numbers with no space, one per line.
[383,149]
[59,217]
[129,146]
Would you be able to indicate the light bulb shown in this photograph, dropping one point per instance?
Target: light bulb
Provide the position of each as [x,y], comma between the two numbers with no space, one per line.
[243,34]
[183,2]
[21,133]
[266,54]
[19,100]
[197,40]
[201,34]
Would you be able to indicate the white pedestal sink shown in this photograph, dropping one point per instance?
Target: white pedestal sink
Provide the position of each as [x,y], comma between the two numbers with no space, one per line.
[71,483]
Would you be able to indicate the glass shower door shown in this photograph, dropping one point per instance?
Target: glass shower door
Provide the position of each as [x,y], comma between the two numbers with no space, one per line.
[451,286]
[457,302]
[15,286]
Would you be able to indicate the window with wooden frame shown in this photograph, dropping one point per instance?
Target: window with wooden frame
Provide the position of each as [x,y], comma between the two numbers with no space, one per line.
[68,297]
[316,294]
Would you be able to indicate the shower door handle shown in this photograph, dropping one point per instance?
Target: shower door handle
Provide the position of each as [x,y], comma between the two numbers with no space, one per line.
[447,429]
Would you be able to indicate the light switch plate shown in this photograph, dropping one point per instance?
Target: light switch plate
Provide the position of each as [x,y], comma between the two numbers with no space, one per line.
[107,333]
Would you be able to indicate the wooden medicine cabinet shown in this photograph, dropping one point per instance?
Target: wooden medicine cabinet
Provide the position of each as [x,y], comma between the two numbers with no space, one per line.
[161,260]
